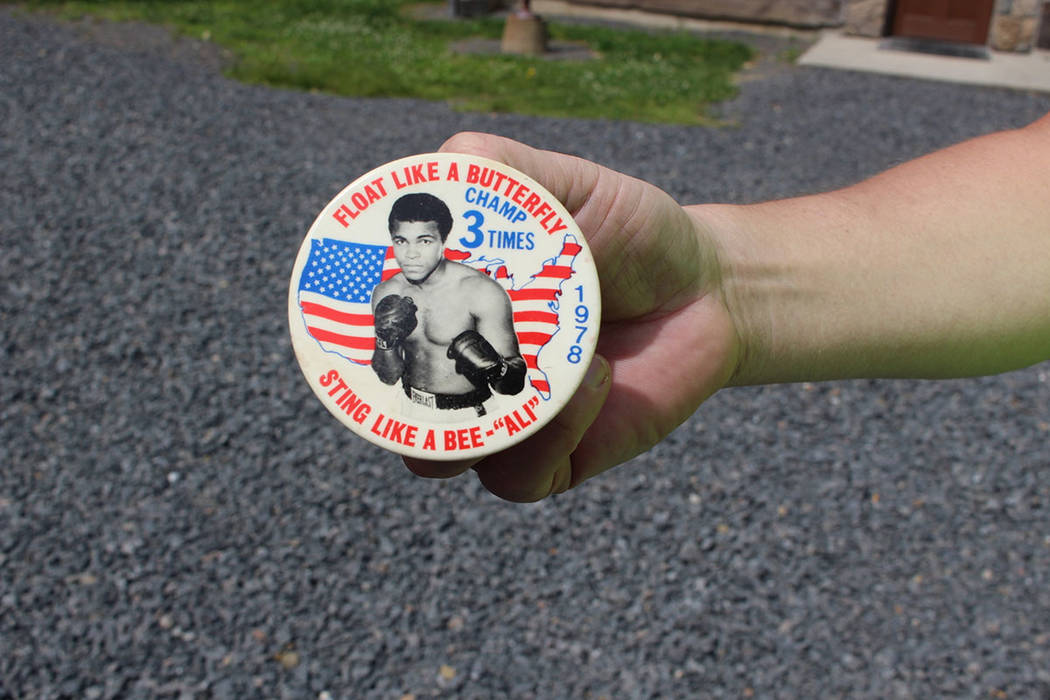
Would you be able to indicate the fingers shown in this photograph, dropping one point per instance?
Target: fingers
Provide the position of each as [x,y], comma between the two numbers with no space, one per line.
[438,470]
[541,465]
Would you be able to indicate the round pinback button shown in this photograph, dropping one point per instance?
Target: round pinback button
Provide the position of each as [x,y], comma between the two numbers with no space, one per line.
[444,306]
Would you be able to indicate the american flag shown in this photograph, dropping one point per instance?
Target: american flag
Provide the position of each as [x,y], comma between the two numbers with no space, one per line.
[335,295]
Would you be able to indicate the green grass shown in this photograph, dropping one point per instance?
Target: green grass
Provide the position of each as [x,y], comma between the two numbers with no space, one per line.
[374,48]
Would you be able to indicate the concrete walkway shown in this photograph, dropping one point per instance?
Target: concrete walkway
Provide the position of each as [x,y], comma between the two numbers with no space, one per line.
[1029,71]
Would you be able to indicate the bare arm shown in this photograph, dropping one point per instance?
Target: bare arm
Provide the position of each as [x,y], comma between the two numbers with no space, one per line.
[937,268]
[495,323]
[388,358]
[389,364]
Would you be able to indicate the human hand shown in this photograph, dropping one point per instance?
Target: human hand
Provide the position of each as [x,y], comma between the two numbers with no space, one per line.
[666,342]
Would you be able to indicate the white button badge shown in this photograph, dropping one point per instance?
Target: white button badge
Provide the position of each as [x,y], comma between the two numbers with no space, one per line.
[444,306]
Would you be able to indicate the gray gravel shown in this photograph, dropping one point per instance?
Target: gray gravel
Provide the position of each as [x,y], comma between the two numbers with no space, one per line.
[179,517]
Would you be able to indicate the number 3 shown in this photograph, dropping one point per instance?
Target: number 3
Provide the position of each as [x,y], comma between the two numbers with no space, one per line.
[474,228]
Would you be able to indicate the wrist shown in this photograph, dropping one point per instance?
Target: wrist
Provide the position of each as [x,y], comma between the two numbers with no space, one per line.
[783,284]
[820,289]
[730,267]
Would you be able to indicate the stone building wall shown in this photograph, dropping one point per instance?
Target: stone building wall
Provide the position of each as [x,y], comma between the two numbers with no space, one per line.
[865,17]
[795,13]
[1015,23]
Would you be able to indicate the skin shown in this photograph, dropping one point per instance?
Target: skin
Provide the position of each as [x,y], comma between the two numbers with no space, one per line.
[431,280]
[937,268]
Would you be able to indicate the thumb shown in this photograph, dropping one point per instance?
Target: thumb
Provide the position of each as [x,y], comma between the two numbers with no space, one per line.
[570,179]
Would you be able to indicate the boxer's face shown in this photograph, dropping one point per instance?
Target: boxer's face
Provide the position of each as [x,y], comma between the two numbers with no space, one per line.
[418,248]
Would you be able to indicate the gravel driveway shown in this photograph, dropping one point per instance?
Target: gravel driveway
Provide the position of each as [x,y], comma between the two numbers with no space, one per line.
[179,517]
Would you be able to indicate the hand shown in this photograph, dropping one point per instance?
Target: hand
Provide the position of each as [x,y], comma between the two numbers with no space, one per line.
[666,343]
[395,318]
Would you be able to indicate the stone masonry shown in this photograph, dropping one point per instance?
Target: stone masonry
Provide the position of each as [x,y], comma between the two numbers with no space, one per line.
[1015,23]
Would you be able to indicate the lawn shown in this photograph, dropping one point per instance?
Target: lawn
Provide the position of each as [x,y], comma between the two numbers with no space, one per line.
[381,48]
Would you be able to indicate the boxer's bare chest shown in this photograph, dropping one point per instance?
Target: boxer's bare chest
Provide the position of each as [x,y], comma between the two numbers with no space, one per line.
[442,313]
[442,320]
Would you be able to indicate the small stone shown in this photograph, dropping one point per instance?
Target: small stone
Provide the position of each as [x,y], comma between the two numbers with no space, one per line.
[84,579]
[288,659]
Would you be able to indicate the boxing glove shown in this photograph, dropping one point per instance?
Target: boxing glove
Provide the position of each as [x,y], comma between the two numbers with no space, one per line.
[395,318]
[475,357]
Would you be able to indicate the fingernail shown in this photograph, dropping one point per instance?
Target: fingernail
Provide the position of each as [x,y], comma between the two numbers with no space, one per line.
[597,374]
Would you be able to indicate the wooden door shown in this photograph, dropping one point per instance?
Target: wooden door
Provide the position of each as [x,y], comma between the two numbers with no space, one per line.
[964,21]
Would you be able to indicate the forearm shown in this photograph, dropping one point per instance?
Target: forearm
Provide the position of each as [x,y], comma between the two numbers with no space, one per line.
[388,364]
[937,268]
